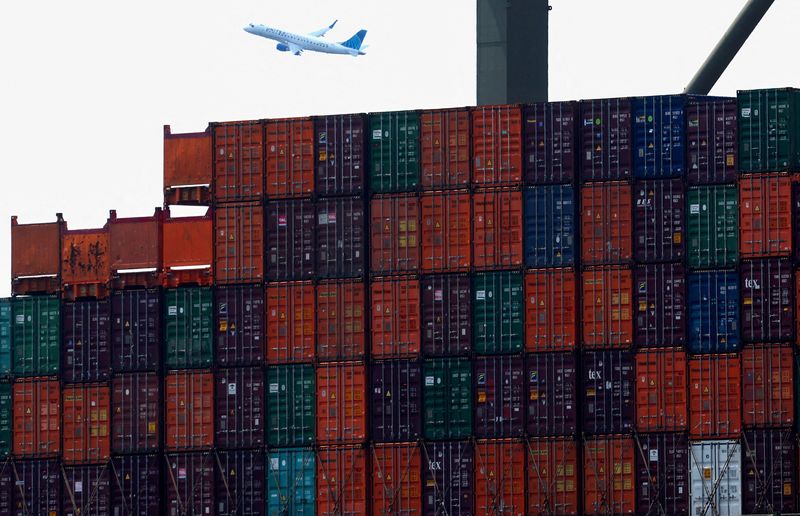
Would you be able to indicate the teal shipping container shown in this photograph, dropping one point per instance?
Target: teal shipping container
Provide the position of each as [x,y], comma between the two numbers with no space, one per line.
[713,226]
[291,486]
[189,324]
[290,405]
[5,337]
[447,398]
[497,312]
[36,335]
[769,130]
[395,151]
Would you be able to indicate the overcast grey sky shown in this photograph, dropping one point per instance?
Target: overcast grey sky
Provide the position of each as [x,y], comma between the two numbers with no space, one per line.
[86,86]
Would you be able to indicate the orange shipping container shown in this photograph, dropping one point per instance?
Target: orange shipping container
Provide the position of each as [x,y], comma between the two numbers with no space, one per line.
[290,157]
[500,477]
[551,308]
[239,242]
[609,475]
[290,322]
[661,390]
[607,307]
[606,223]
[87,423]
[135,243]
[767,386]
[445,140]
[187,167]
[446,231]
[342,483]
[395,317]
[715,396]
[37,417]
[765,215]
[188,250]
[341,320]
[238,161]
[36,256]
[85,266]
[394,233]
[496,145]
[497,230]
[396,482]
[341,402]
[553,476]
[189,411]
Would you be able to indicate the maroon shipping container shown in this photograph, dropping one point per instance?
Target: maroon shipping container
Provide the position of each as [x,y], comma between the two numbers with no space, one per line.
[662,474]
[240,326]
[769,472]
[339,144]
[711,145]
[341,238]
[767,309]
[290,240]
[606,139]
[135,413]
[7,486]
[241,483]
[240,407]
[190,483]
[239,242]
[396,404]
[135,330]
[448,482]
[394,234]
[659,220]
[608,389]
[87,491]
[86,352]
[660,303]
[499,396]
[446,315]
[550,142]
[796,220]
[552,394]
[37,487]
[135,485]
[238,161]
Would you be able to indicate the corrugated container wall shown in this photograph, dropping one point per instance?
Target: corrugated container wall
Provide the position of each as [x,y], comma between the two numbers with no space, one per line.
[394,234]
[769,458]
[238,161]
[497,217]
[715,472]
[659,136]
[447,398]
[767,386]
[36,335]
[37,487]
[289,150]
[136,484]
[713,312]
[136,413]
[240,483]
[500,477]
[712,226]
[765,215]
[499,396]
[662,378]
[446,231]
[606,223]
[715,396]
[659,220]
[239,243]
[239,408]
[553,477]
[135,330]
[37,424]
[189,327]
[549,226]
[711,141]
[767,302]
[343,480]
[496,145]
[290,405]
[36,256]
[188,166]
[340,154]
[291,481]
[769,130]
[341,238]
[189,413]
[609,475]
[290,322]
[550,142]
[86,350]
[396,482]
[448,483]
[85,266]
[551,309]
[607,315]
[87,423]
[445,142]
[341,320]
[395,401]
[188,242]
[240,325]
[134,244]
[87,490]
[395,151]
[290,228]
[606,137]
[660,301]
[341,402]
[395,317]
[190,484]
[497,312]
[662,474]
[608,395]
[446,314]
[552,394]
[6,319]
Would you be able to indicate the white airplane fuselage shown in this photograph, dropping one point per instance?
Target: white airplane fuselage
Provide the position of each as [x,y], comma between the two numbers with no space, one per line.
[301,41]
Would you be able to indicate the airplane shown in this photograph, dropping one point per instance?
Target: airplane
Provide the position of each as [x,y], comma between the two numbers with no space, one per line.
[297,43]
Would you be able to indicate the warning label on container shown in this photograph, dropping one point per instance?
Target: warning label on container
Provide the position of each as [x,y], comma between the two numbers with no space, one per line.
[654,455]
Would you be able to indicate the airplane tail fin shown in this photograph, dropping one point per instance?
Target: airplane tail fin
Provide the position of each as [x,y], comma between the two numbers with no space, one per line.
[362,49]
[356,41]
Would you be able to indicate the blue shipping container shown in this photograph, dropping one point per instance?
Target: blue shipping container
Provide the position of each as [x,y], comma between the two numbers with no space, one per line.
[713,312]
[5,337]
[659,136]
[291,487]
[550,226]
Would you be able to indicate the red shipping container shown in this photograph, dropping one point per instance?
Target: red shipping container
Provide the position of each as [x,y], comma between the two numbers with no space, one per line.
[240,405]
[607,307]
[396,482]
[136,417]
[766,287]
[661,390]
[497,228]
[86,341]
[290,322]
[715,396]
[240,325]
[190,483]
[395,317]
[135,243]
[238,161]
[239,243]
[37,417]
[446,314]
[341,402]
[341,149]
[85,266]
[87,423]
[36,256]
[290,239]
[551,148]
[394,233]
[87,491]
[606,223]
[551,308]
[767,386]
[341,320]
[609,475]
[496,145]
[500,477]
[765,215]
[553,477]
[445,140]
[188,249]
[189,415]
[289,147]
[341,238]
[446,231]
[188,166]
[342,481]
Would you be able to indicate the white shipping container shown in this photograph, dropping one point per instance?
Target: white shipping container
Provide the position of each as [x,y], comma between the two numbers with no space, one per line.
[716,481]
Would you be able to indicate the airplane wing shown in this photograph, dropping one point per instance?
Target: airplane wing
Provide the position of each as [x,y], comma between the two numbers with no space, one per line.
[294,49]
[321,32]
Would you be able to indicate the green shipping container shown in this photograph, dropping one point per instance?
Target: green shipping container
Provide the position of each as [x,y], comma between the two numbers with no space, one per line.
[290,405]
[189,316]
[769,129]
[395,151]
[447,395]
[5,337]
[497,312]
[5,418]
[713,222]
[291,488]
[36,335]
